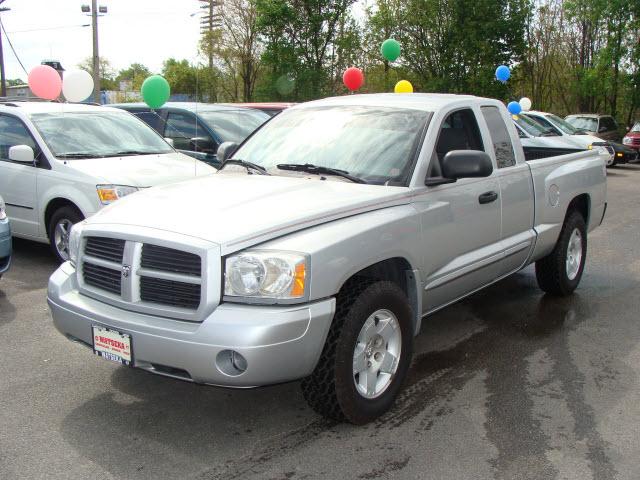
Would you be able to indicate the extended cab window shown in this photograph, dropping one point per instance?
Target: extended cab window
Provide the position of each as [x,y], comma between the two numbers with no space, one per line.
[13,132]
[502,145]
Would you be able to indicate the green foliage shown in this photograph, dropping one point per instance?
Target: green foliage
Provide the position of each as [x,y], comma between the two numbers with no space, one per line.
[136,73]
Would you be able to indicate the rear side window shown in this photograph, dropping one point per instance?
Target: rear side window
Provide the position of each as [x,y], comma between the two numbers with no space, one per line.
[12,133]
[502,146]
[608,123]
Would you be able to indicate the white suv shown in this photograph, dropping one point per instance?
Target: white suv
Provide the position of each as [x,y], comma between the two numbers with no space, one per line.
[61,163]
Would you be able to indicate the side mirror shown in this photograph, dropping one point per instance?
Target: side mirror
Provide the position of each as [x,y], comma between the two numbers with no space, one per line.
[466,164]
[602,129]
[225,150]
[169,141]
[203,144]
[628,129]
[21,154]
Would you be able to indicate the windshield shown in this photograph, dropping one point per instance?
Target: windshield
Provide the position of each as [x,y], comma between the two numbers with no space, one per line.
[562,124]
[233,125]
[376,144]
[589,124]
[97,134]
[636,127]
[531,127]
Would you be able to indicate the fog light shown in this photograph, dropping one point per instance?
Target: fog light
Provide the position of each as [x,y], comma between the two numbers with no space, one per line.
[231,363]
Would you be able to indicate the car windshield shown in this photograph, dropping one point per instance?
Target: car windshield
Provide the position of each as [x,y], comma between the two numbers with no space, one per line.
[636,127]
[373,143]
[562,124]
[97,134]
[234,125]
[589,124]
[530,126]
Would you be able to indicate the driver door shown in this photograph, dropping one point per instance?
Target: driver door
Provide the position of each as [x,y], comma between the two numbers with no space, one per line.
[190,136]
[460,221]
[18,181]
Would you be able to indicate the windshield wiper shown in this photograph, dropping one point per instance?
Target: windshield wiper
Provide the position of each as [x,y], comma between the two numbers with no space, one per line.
[318,170]
[243,163]
[78,155]
[126,153]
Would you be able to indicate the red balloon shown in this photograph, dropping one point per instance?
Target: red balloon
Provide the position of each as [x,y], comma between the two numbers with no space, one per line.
[353,78]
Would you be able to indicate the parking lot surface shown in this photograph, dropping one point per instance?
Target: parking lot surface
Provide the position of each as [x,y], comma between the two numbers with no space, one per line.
[508,384]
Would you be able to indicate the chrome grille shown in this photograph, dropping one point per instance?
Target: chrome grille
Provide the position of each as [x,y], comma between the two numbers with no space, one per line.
[170,260]
[111,249]
[102,277]
[169,292]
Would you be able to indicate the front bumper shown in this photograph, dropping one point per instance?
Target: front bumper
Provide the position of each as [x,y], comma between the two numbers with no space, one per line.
[279,343]
[5,246]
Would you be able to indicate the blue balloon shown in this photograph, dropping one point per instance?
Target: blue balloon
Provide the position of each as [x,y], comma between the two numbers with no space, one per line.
[514,108]
[503,73]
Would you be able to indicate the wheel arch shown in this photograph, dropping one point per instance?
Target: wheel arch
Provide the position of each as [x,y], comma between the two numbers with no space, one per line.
[399,271]
[55,204]
[582,204]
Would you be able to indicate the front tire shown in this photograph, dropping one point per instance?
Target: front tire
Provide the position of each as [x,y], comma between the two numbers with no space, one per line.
[59,227]
[366,355]
[559,273]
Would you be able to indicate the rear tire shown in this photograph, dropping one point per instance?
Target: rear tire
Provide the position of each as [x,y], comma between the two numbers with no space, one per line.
[59,227]
[559,273]
[366,356]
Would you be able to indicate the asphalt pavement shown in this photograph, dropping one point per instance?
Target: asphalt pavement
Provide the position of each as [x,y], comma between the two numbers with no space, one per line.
[508,384]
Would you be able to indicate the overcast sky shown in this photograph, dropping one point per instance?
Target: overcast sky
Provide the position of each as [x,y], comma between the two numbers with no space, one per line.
[145,31]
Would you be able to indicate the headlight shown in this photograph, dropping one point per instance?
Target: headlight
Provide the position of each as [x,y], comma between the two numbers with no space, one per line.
[626,140]
[74,242]
[266,274]
[3,211]
[110,193]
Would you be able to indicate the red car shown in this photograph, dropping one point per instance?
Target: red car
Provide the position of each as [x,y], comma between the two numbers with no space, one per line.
[270,108]
[632,138]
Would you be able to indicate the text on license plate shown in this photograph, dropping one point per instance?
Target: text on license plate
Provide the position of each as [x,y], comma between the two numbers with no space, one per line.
[112,345]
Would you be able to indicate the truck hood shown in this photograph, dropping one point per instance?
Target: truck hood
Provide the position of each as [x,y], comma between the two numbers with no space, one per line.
[142,170]
[236,210]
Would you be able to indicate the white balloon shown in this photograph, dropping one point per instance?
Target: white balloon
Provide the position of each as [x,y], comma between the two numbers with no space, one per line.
[77,85]
[525,104]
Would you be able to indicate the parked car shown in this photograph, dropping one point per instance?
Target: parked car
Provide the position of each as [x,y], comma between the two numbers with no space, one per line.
[326,239]
[61,163]
[5,239]
[539,141]
[270,108]
[602,126]
[632,138]
[197,129]
[563,128]
[623,153]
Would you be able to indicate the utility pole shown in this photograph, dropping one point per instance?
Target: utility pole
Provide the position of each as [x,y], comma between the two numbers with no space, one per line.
[95,11]
[3,80]
[209,23]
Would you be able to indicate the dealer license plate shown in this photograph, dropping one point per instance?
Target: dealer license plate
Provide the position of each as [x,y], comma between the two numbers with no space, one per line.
[112,345]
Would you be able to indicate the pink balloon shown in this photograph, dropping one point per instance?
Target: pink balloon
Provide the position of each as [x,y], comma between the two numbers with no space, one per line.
[45,82]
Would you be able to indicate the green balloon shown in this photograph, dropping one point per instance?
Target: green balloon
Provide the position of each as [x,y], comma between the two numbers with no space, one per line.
[390,49]
[155,91]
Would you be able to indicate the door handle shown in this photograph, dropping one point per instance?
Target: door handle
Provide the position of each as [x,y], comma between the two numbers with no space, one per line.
[488,197]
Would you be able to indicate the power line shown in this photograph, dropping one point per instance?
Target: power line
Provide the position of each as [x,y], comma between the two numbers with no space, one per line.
[51,28]
[12,49]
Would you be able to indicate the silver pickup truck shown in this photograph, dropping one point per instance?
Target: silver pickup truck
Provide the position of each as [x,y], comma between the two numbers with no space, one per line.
[322,243]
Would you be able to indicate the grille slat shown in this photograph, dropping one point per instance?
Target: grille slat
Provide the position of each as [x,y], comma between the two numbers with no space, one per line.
[101,277]
[111,249]
[169,292]
[170,260]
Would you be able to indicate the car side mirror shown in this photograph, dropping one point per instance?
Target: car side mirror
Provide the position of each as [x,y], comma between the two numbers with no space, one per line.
[225,150]
[21,154]
[466,164]
[602,129]
[628,129]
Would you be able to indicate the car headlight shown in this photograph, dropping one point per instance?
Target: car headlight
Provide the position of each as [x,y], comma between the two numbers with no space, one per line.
[266,275]
[626,140]
[74,242]
[110,193]
[3,211]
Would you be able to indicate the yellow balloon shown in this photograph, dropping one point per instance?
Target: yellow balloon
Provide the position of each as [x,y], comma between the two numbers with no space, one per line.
[403,86]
